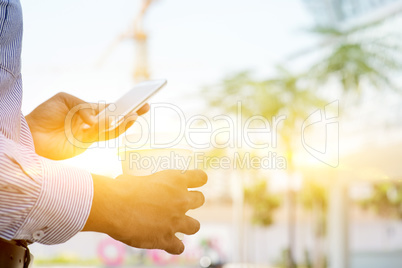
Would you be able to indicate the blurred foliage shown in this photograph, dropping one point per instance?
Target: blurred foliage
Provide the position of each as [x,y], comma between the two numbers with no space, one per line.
[66,259]
[263,202]
[212,156]
[349,58]
[314,198]
[314,192]
[385,200]
[357,55]
[352,60]
[215,156]
[353,55]
[283,94]
[286,94]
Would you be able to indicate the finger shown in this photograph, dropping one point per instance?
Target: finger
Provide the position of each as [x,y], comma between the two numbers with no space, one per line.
[129,124]
[128,121]
[103,121]
[195,178]
[196,199]
[86,110]
[100,107]
[121,128]
[143,109]
[174,246]
[188,226]
[87,113]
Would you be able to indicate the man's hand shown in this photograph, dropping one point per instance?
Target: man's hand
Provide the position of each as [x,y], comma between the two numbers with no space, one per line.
[146,212]
[47,125]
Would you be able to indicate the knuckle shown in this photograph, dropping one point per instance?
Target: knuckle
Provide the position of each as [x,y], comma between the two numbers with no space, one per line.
[176,176]
[175,221]
[185,203]
[182,204]
[62,95]
[167,237]
[85,107]
[169,173]
[172,192]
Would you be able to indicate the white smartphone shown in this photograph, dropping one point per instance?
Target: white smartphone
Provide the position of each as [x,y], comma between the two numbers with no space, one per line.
[130,102]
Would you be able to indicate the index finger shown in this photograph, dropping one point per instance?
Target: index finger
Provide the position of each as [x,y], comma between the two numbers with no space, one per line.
[143,109]
[195,178]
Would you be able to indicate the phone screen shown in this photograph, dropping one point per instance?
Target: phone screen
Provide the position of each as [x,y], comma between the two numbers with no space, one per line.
[131,101]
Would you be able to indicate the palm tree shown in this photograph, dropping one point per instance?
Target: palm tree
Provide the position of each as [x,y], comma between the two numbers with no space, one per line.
[352,58]
[314,198]
[286,94]
[263,202]
[355,56]
[356,61]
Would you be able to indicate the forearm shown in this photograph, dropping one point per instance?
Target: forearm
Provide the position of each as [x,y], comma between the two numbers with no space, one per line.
[99,219]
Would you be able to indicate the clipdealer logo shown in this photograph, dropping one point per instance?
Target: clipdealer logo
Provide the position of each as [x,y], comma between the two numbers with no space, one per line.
[225,131]
[327,120]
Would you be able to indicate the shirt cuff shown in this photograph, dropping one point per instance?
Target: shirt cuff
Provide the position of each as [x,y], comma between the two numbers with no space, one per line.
[63,205]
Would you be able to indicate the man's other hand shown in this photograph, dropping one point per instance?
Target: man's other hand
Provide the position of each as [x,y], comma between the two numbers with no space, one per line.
[48,126]
[147,212]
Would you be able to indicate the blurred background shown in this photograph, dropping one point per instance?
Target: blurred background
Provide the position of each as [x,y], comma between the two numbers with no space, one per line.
[325,189]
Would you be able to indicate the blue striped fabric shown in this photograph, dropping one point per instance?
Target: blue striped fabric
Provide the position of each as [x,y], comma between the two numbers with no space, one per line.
[40,200]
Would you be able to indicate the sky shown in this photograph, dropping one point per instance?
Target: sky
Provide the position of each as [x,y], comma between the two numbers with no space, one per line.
[191,43]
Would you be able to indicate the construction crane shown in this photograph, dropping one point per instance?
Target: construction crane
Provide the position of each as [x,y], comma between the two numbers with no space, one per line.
[141,61]
[137,33]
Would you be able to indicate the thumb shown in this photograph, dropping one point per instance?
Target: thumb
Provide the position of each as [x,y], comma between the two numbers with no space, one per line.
[87,113]
[85,110]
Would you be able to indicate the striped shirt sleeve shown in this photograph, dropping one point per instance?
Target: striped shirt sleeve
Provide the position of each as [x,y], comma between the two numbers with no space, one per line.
[40,200]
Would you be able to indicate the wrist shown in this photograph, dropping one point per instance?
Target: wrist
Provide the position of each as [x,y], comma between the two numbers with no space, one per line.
[29,120]
[100,218]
